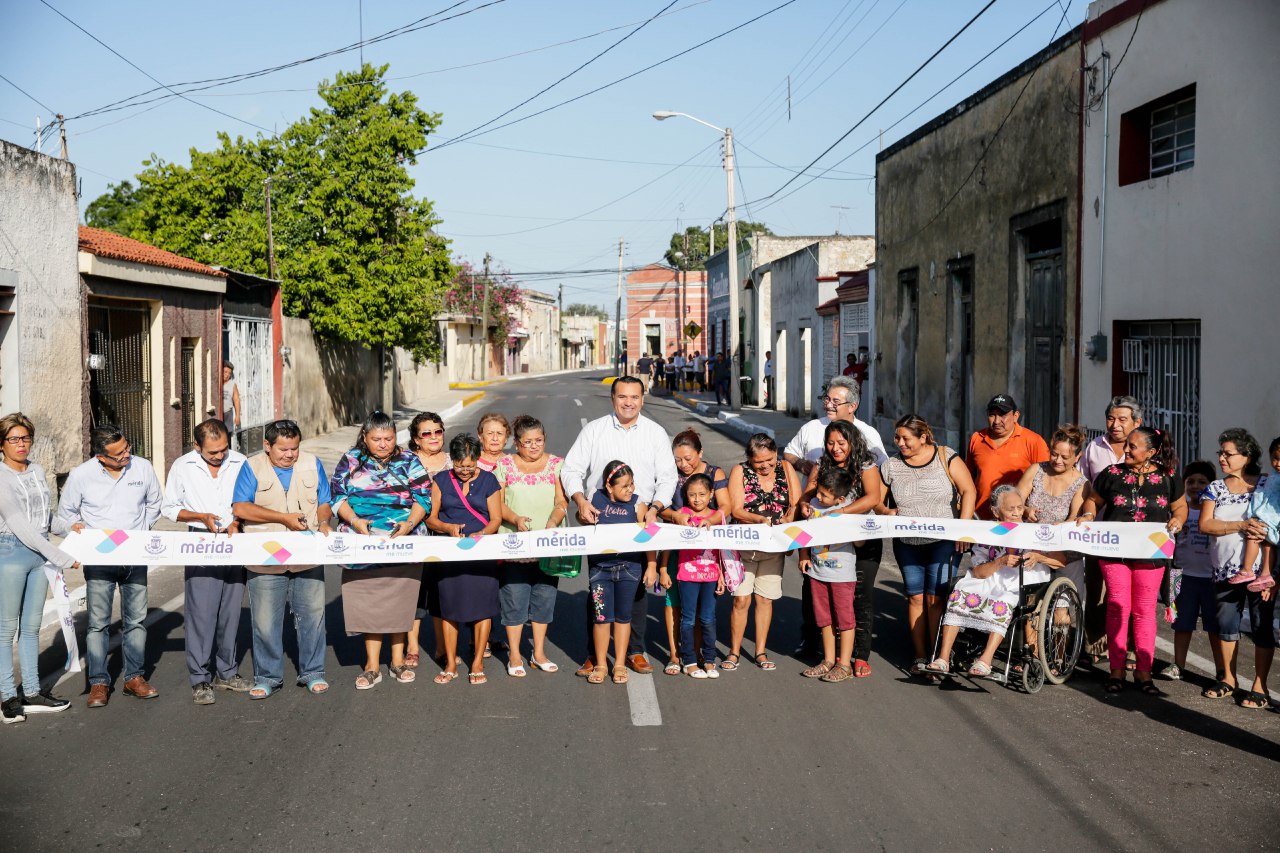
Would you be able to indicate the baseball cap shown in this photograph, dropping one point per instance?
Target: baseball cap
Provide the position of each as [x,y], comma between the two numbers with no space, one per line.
[1002,403]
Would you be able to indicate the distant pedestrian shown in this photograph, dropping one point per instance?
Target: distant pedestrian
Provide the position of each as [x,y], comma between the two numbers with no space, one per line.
[380,489]
[700,369]
[426,440]
[622,363]
[644,370]
[25,523]
[722,375]
[768,379]
[659,371]
[671,370]
[285,488]
[114,490]
[532,499]
[466,500]
[199,493]
[1001,453]
[231,408]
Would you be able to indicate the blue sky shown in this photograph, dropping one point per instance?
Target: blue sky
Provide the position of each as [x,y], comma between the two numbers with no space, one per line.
[602,163]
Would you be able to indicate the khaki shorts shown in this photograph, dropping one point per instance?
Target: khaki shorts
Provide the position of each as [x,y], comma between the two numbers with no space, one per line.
[763,574]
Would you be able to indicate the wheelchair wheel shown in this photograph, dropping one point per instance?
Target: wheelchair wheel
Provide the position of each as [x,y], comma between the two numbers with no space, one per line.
[1060,630]
[1032,675]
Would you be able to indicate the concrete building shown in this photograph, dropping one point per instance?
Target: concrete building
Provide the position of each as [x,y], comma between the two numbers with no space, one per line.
[976,228]
[1178,216]
[531,343]
[846,326]
[154,337]
[795,285]
[42,370]
[579,341]
[661,303]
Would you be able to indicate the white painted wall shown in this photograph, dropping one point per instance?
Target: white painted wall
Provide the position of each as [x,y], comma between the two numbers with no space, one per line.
[1201,243]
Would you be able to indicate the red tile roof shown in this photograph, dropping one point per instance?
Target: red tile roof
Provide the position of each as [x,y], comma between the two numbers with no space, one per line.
[105,244]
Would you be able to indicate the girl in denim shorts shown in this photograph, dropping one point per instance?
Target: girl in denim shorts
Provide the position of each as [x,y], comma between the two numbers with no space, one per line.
[613,578]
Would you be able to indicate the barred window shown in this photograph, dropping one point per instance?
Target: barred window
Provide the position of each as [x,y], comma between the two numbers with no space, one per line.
[1173,137]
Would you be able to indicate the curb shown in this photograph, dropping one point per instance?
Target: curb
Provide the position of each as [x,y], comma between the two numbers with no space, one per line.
[463,386]
[456,409]
[731,421]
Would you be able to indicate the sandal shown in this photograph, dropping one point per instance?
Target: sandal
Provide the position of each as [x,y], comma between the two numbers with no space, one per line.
[694,671]
[411,660]
[710,670]
[1113,685]
[762,661]
[1261,584]
[940,666]
[730,663]
[477,678]
[672,668]
[861,669]
[597,675]
[839,672]
[918,665]
[1254,701]
[1149,688]
[317,686]
[368,679]
[620,675]
[515,671]
[261,690]
[445,677]
[1221,690]
[545,666]
[980,669]
[403,673]
[819,670]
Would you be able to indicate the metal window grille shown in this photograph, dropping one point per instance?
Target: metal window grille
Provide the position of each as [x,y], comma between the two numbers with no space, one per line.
[120,375]
[249,348]
[187,397]
[1169,386]
[1173,137]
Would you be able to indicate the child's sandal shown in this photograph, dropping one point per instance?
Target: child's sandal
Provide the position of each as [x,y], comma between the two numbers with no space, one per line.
[597,675]
[620,675]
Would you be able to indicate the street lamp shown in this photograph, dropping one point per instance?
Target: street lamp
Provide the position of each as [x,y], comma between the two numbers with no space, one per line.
[735,391]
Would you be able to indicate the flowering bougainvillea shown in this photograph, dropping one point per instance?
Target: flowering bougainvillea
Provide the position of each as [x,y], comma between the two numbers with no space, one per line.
[465,295]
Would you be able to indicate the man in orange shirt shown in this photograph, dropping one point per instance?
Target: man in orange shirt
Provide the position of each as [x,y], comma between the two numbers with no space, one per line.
[1001,453]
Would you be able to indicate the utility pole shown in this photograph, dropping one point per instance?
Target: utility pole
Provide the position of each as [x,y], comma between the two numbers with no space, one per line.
[271,240]
[62,135]
[735,342]
[684,294]
[617,318]
[561,341]
[484,324]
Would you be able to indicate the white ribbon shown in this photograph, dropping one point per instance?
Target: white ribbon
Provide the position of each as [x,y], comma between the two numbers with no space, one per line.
[62,604]
[1140,541]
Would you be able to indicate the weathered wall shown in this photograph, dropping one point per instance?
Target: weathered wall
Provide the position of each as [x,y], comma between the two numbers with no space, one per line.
[1031,165]
[418,385]
[328,384]
[42,370]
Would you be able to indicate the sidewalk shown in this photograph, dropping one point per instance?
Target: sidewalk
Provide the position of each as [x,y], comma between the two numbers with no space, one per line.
[744,422]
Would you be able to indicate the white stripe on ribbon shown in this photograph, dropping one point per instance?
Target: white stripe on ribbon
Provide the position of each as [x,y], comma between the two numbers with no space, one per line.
[1141,541]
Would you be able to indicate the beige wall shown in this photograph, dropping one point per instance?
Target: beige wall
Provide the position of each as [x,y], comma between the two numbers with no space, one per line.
[327,384]
[1201,243]
[418,385]
[42,369]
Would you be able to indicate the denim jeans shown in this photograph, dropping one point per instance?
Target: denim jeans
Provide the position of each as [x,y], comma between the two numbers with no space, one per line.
[23,587]
[303,591]
[697,601]
[612,590]
[100,588]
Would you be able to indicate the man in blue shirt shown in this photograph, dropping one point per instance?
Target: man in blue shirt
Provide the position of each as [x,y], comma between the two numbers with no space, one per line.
[285,488]
[114,490]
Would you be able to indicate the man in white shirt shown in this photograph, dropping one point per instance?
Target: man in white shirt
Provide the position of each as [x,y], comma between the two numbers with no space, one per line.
[768,379]
[645,446]
[700,369]
[678,364]
[199,492]
[114,490]
[841,404]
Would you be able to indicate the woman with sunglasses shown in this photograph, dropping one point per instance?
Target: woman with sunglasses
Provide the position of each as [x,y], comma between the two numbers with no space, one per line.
[426,440]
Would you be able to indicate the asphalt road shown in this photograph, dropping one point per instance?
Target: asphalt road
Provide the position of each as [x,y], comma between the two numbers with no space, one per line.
[753,760]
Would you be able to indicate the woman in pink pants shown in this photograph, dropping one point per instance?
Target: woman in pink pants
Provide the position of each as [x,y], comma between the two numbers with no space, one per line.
[1144,488]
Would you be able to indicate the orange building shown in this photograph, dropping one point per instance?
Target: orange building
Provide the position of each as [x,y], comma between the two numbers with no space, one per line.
[660,302]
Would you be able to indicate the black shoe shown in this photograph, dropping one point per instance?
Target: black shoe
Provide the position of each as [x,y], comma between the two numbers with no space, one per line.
[12,709]
[44,702]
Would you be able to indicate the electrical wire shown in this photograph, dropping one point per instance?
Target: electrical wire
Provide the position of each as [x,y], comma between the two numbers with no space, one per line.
[32,97]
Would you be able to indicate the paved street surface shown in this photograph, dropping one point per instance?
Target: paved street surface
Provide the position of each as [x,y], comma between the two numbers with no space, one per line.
[754,760]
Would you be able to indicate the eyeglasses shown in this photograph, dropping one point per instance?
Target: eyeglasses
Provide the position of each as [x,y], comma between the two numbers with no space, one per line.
[19,439]
[533,442]
[286,425]
[1228,454]
[430,433]
[123,457]
[832,401]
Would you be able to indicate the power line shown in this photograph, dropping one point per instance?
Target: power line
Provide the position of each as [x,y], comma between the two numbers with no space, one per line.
[28,94]
[134,65]
[463,136]
[883,101]
[684,52]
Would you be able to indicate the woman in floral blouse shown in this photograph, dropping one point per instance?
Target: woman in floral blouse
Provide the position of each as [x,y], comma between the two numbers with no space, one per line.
[1144,488]
[533,499]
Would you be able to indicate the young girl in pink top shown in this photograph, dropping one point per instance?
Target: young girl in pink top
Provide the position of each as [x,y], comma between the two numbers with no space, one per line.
[699,581]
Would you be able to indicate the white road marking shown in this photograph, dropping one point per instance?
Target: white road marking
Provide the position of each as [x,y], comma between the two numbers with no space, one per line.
[584,422]
[170,607]
[577,401]
[1194,661]
[643,697]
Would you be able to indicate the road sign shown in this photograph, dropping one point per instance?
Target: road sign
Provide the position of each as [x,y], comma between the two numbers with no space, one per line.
[692,330]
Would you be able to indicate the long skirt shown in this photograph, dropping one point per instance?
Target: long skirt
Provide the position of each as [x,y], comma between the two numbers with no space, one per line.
[381,599]
[468,590]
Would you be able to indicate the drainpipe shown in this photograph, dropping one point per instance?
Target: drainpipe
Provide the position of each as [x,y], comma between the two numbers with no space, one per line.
[1098,346]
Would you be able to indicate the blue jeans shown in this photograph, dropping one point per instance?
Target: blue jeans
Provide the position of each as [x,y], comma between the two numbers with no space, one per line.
[100,588]
[303,591]
[613,591]
[23,587]
[697,601]
[926,569]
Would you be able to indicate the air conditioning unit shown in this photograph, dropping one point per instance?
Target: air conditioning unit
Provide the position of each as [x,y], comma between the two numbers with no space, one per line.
[1134,356]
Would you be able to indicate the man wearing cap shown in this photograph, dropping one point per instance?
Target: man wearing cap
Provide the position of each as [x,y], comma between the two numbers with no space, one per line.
[1004,450]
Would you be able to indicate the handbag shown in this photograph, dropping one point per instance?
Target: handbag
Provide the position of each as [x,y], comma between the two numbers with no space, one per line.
[731,569]
[946,469]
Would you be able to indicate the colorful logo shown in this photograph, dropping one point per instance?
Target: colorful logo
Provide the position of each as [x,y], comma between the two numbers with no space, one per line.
[799,538]
[113,540]
[1164,545]
[1003,528]
[466,543]
[648,533]
[277,554]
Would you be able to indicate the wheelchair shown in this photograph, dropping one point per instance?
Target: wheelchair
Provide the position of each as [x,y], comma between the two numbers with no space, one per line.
[1043,641]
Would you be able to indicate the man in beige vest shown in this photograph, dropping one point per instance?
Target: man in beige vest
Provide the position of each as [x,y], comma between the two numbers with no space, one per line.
[285,488]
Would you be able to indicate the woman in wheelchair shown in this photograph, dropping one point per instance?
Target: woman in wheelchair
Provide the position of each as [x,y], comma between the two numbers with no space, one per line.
[987,597]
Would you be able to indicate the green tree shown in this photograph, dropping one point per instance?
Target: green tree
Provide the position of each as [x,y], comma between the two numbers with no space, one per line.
[109,210]
[582,309]
[355,249]
[694,243]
